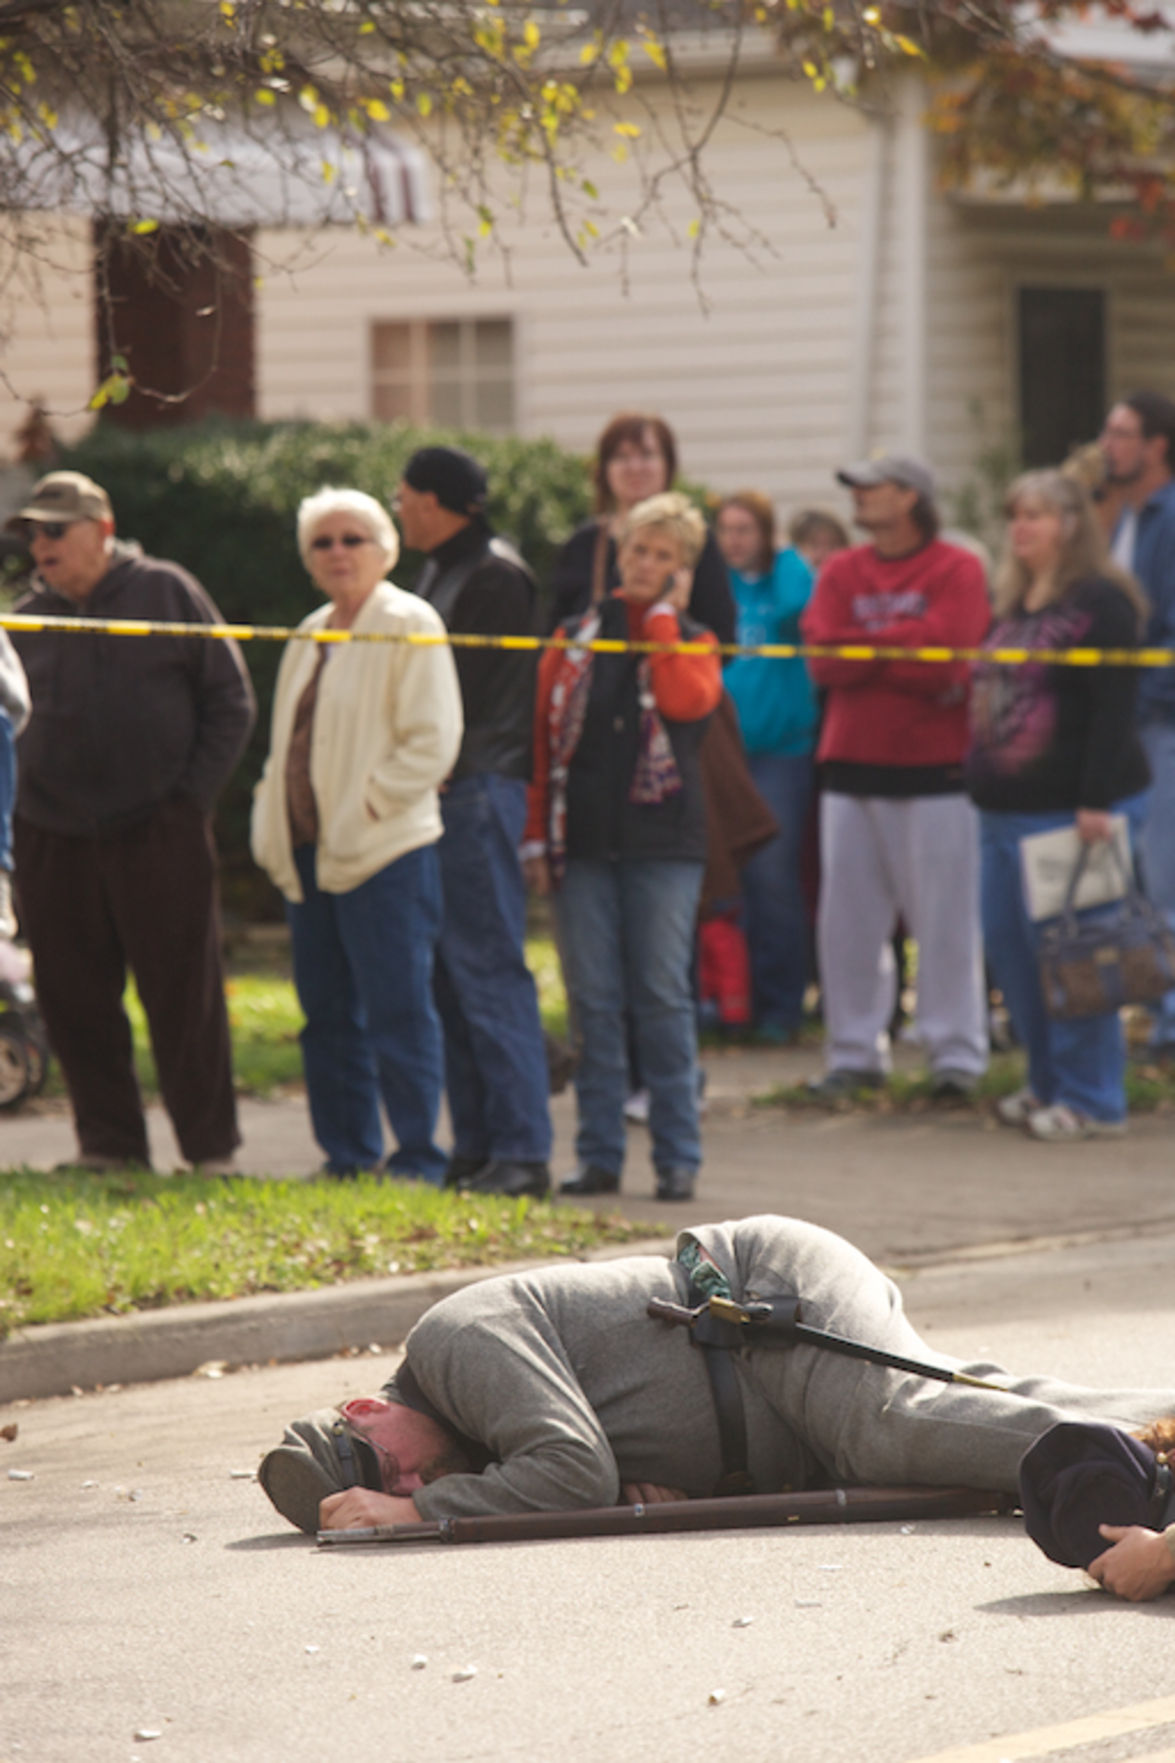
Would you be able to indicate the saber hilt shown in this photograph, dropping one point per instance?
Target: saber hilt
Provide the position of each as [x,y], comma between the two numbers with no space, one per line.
[775,1322]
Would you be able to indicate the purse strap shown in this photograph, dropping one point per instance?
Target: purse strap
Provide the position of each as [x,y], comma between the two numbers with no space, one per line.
[600,564]
[1131,897]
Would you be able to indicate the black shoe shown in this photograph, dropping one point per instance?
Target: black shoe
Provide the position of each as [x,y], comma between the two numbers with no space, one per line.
[951,1085]
[501,1176]
[676,1184]
[842,1084]
[462,1170]
[590,1180]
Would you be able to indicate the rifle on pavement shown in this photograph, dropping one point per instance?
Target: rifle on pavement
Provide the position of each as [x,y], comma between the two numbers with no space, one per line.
[743,1512]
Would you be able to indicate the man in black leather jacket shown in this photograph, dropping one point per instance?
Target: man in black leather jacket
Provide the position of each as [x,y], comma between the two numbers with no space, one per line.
[495,1063]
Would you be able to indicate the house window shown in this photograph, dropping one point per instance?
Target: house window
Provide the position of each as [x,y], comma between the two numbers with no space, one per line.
[1062,370]
[456,373]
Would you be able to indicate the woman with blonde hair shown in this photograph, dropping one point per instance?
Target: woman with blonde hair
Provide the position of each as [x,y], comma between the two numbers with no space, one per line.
[1054,746]
[617,828]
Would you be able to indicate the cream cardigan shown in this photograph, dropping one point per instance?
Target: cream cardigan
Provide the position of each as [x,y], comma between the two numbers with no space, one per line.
[387,728]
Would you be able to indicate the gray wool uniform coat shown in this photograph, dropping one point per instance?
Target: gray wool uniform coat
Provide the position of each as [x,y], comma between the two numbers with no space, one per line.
[574,1390]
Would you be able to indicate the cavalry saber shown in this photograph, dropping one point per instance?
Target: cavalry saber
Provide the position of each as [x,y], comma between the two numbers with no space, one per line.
[740,1512]
[782,1318]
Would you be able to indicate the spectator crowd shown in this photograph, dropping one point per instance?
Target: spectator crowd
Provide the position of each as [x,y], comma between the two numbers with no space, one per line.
[715,835]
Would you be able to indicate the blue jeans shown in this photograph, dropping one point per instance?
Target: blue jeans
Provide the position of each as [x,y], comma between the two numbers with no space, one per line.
[773,899]
[363,972]
[7,787]
[627,931]
[495,1057]
[1157,851]
[1083,1062]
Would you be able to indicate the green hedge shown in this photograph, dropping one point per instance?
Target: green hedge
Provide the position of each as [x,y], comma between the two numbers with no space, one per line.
[221,498]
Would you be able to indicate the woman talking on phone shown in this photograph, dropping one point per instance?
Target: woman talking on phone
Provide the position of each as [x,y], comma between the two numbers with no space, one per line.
[617,830]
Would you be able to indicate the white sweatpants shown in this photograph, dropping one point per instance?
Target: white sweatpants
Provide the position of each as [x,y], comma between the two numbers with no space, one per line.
[917,858]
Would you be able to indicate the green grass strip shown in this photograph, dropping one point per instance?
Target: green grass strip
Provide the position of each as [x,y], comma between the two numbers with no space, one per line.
[76,1245]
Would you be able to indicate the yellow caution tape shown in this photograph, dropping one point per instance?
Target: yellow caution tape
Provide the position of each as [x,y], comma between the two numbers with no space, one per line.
[277,633]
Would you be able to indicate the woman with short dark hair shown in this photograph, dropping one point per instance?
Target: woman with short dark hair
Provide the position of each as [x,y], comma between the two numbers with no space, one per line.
[636,457]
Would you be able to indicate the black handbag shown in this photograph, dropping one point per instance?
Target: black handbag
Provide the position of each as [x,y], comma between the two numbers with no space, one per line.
[1092,966]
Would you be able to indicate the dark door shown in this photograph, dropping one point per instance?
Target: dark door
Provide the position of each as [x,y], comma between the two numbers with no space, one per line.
[1062,370]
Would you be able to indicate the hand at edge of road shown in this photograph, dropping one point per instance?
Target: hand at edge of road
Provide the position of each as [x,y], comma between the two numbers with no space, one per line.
[1140,1565]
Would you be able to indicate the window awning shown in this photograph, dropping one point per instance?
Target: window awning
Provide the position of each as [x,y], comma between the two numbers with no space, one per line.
[279,171]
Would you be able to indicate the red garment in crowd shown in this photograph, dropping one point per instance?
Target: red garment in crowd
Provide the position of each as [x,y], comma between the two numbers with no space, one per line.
[724,968]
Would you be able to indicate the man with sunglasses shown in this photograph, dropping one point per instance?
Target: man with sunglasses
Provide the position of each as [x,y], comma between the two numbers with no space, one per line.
[130,743]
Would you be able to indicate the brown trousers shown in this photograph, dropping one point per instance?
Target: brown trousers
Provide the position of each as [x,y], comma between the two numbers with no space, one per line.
[144,898]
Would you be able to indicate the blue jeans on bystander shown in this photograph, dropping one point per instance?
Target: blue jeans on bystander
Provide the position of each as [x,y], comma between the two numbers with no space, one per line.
[776,918]
[1082,1062]
[363,971]
[627,932]
[1157,850]
[495,1057]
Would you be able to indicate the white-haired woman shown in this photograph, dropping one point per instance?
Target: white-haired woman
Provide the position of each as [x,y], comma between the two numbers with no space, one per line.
[345,822]
[1054,746]
[617,825]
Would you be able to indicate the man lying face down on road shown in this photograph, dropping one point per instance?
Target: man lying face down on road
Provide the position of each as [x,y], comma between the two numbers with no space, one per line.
[555,1389]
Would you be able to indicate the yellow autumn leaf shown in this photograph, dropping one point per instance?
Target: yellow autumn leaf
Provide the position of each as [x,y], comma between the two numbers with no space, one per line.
[144,226]
[424,103]
[321,116]
[589,53]
[263,95]
[908,46]
[378,111]
[629,129]
[531,34]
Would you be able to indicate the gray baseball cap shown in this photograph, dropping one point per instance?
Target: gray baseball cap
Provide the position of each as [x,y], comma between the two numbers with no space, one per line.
[890,468]
[319,1455]
[65,496]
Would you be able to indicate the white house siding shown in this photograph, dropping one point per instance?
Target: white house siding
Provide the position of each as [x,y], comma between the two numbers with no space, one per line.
[756,387]
[47,330]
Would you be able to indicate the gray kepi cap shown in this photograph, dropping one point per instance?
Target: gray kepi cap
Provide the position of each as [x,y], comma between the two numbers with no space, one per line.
[319,1455]
[890,468]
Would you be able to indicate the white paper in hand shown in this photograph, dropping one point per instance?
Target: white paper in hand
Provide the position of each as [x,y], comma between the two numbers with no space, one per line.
[1047,862]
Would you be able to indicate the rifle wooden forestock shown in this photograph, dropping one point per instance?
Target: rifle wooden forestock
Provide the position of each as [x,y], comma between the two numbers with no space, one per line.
[747,1511]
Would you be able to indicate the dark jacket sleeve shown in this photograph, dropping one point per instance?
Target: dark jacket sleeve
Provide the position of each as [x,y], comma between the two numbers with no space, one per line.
[711,602]
[226,708]
[1112,692]
[497,600]
[569,590]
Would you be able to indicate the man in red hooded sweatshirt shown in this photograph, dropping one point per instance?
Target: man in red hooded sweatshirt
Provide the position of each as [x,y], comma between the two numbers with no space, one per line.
[898,836]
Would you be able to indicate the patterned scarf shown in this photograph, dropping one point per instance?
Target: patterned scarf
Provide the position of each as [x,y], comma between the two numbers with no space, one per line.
[655,776]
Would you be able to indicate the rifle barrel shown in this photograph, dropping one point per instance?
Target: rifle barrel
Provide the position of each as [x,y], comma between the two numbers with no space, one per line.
[746,1511]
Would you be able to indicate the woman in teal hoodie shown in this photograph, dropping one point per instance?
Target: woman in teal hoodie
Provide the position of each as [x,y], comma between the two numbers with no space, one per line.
[777,715]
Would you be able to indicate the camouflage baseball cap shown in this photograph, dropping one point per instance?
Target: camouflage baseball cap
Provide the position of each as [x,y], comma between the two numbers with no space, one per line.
[319,1455]
[65,496]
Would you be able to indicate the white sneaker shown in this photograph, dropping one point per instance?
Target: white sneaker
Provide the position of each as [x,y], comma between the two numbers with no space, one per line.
[1014,1110]
[637,1107]
[1061,1124]
[7,915]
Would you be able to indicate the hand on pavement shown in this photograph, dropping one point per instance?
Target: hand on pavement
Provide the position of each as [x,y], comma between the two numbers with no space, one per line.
[1138,1567]
[357,1508]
